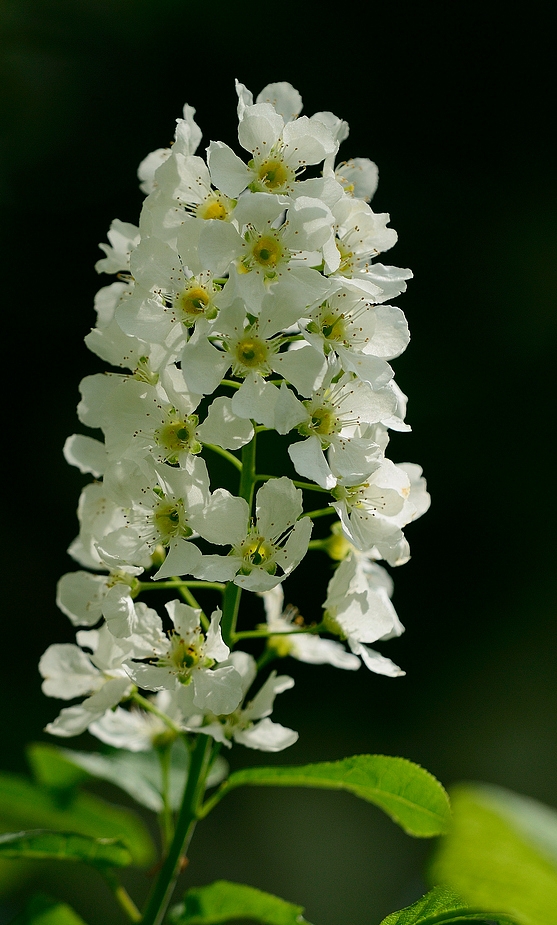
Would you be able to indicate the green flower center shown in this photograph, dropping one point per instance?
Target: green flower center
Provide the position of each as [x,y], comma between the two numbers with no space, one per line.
[251,353]
[323,422]
[267,251]
[257,551]
[273,174]
[193,303]
[170,520]
[178,435]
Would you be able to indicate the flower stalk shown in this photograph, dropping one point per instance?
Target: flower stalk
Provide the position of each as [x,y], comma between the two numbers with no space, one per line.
[249,300]
[165,882]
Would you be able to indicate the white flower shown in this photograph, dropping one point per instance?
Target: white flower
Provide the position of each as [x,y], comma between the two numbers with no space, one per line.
[395,548]
[361,235]
[98,516]
[358,177]
[363,336]
[270,253]
[281,146]
[86,597]
[366,509]
[373,512]
[108,341]
[124,238]
[249,347]
[187,656]
[137,730]
[263,552]
[159,508]
[186,140]
[68,672]
[331,420]
[172,291]
[304,647]
[250,725]
[358,608]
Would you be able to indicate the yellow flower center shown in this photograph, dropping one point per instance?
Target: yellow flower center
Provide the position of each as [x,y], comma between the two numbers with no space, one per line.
[332,327]
[273,174]
[267,251]
[257,551]
[250,353]
[177,435]
[214,206]
[170,520]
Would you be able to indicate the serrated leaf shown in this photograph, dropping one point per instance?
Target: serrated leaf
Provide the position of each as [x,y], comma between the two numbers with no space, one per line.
[223,901]
[491,863]
[41,910]
[408,793]
[41,844]
[26,805]
[136,773]
[443,906]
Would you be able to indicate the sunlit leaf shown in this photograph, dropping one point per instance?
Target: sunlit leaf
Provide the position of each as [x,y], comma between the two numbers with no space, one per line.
[223,901]
[409,794]
[41,844]
[442,906]
[491,861]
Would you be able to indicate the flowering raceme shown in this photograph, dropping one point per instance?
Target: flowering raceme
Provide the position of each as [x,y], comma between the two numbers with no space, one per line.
[249,299]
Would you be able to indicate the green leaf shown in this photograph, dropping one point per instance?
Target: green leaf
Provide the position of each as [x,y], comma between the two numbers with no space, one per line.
[137,773]
[442,906]
[409,794]
[41,910]
[491,860]
[41,844]
[536,821]
[26,805]
[50,767]
[223,901]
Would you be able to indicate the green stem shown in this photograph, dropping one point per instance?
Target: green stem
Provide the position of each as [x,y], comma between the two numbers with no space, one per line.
[231,596]
[166,819]
[179,583]
[151,708]
[163,887]
[266,634]
[225,454]
[230,608]
[231,383]
[321,512]
[309,486]
[319,544]
[247,478]
[122,896]
[268,655]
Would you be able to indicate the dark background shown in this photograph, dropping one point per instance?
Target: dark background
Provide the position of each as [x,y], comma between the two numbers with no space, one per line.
[455,103]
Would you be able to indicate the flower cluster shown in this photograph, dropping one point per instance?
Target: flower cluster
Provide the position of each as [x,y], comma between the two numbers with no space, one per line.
[249,299]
